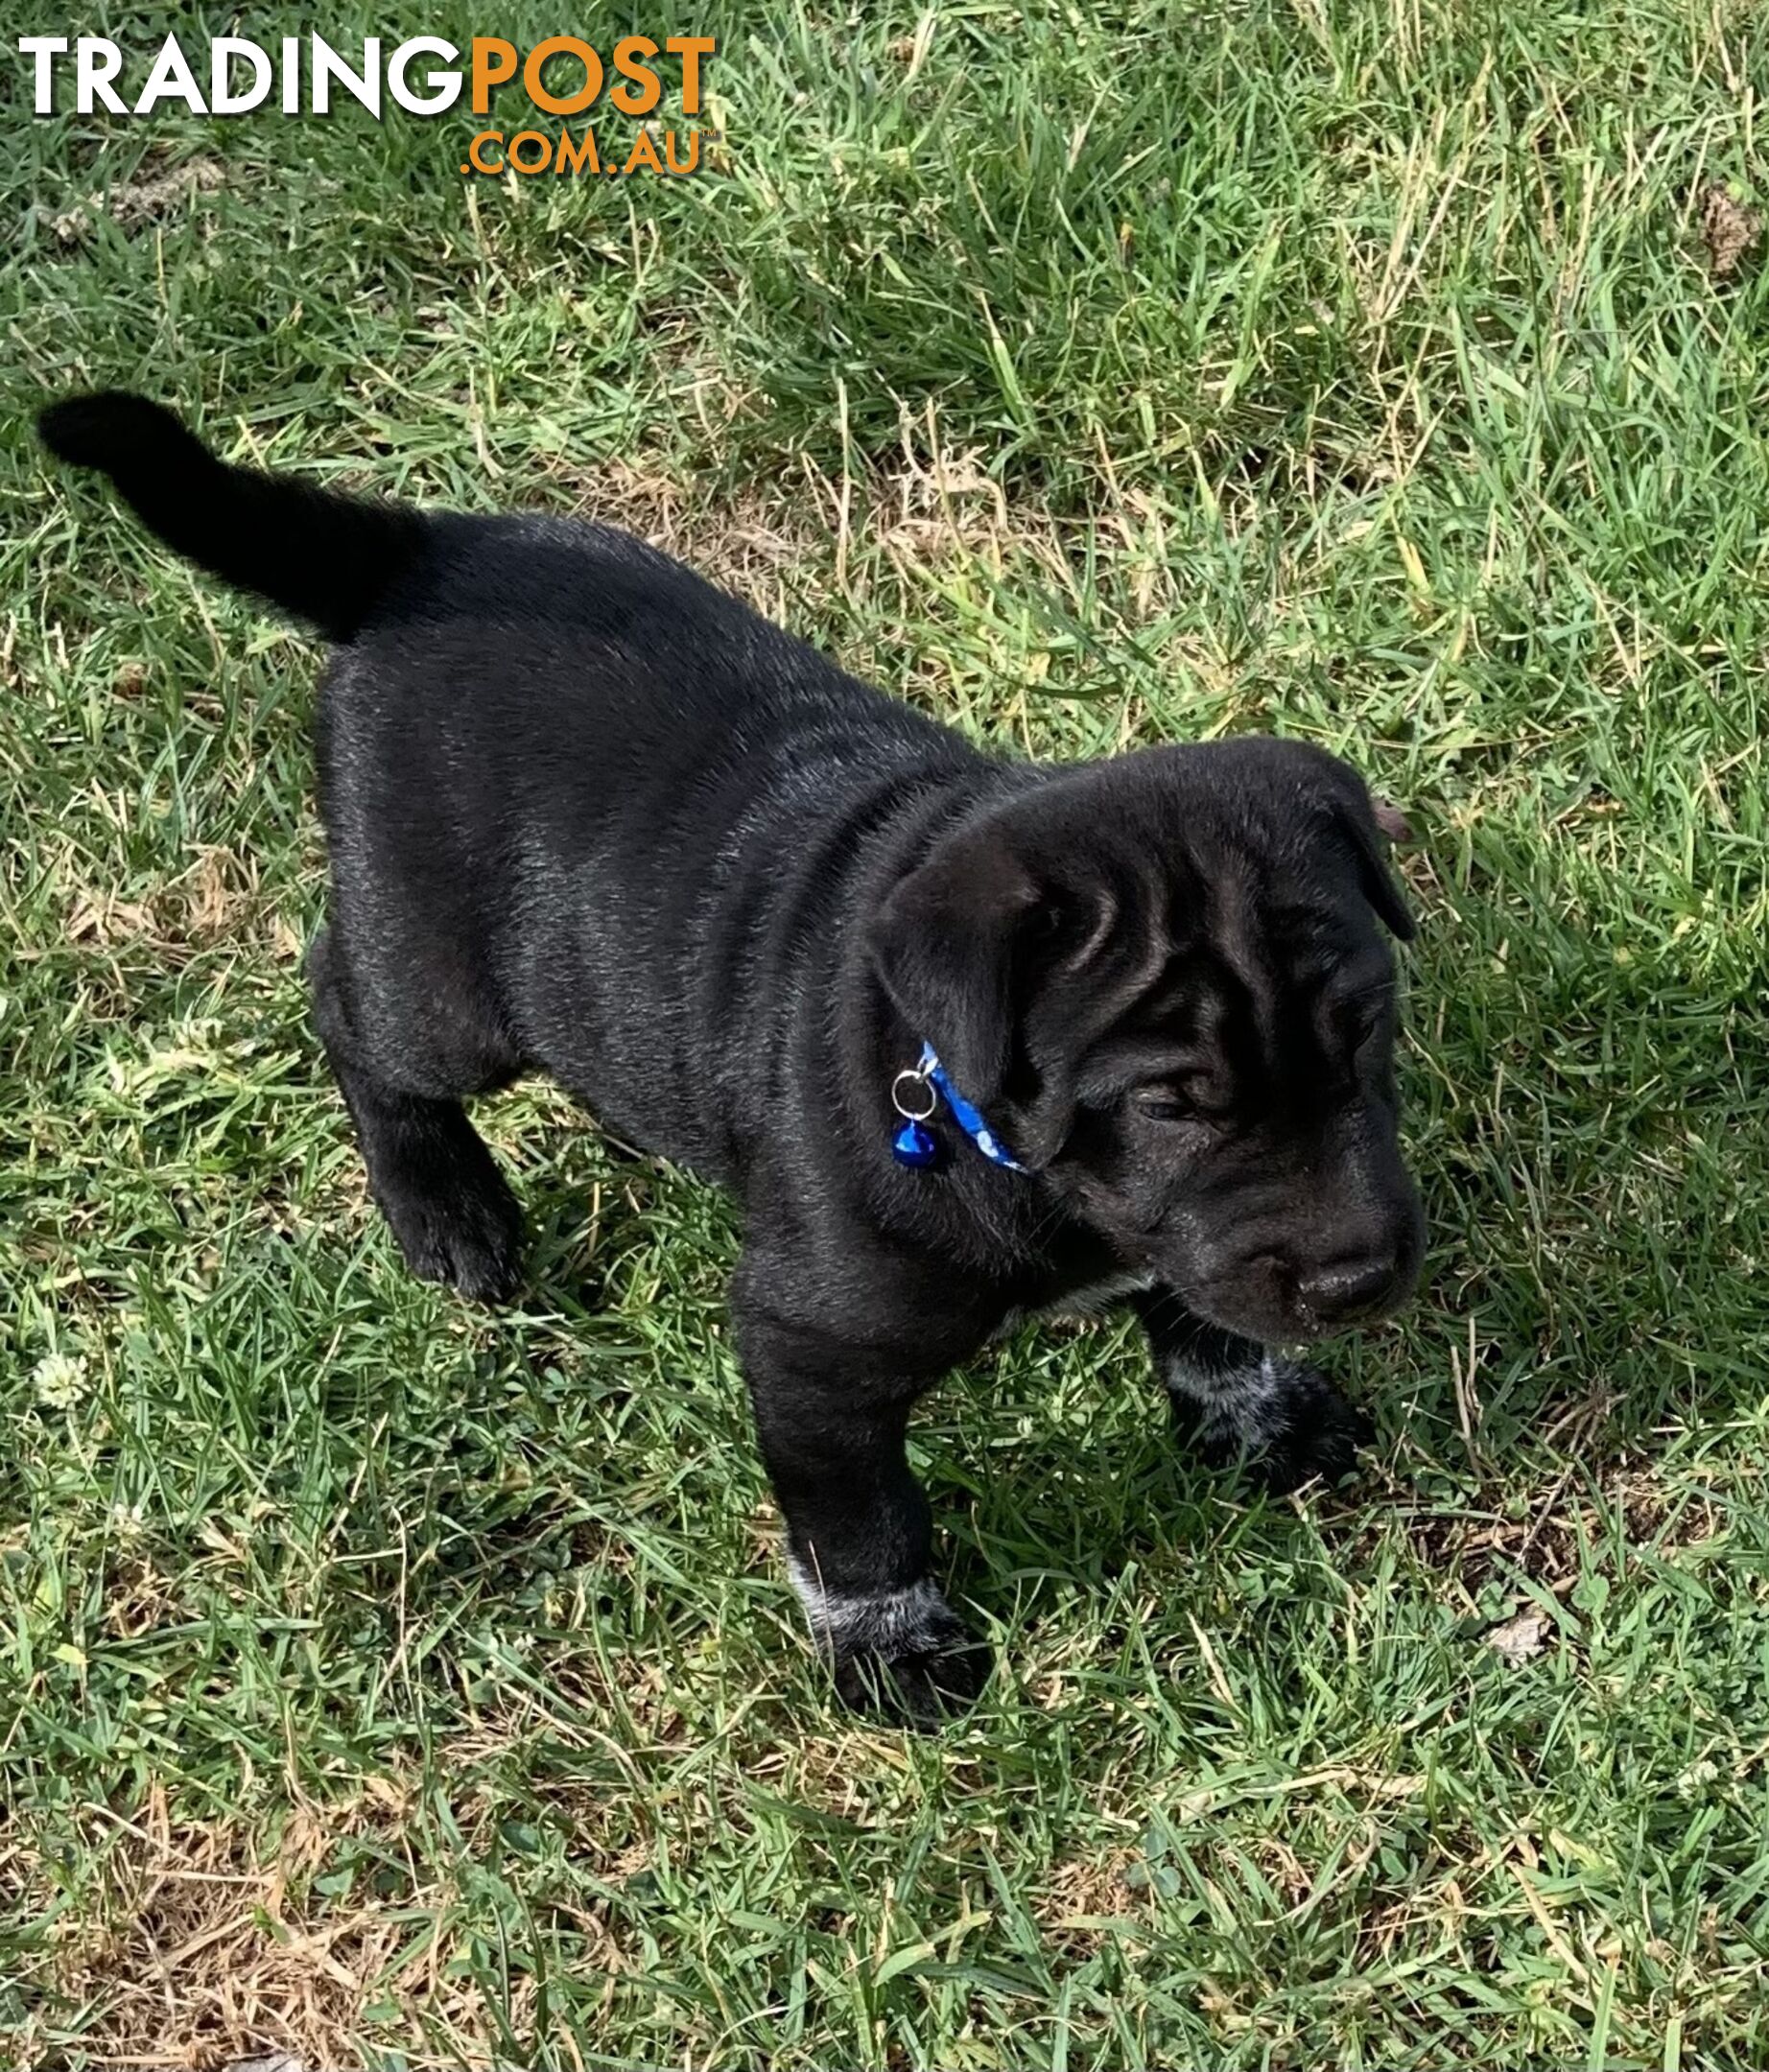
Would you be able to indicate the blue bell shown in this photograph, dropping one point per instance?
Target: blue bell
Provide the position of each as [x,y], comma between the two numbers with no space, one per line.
[914,1146]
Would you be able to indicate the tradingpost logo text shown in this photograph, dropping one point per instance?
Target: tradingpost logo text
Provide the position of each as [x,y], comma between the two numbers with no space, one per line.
[561,75]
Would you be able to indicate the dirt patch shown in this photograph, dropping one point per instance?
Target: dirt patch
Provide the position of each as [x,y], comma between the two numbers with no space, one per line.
[1547,1543]
[1731,231]
[146,198]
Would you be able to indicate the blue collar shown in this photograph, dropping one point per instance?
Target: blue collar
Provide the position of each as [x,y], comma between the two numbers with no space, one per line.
[968,1118]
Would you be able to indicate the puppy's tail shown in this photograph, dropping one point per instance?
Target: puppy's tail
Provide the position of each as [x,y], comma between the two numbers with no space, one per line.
[321,557]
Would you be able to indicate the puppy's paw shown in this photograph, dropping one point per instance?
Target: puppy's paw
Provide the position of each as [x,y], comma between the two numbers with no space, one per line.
[1315,1434]
[920,1688]
[470,1239]
[902,1655]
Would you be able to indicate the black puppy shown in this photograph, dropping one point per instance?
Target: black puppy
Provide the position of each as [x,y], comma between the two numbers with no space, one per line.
[968,1038]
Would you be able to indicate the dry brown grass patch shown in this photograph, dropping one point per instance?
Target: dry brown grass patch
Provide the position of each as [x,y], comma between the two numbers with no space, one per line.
[148,197]
[201,1941]
[1547,1543]
[1081,1894]
[208,1943]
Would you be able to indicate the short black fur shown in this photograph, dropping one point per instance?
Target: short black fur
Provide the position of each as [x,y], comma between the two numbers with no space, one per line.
[589,815]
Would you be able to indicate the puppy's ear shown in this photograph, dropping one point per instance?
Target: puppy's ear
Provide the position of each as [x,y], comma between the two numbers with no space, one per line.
[1373,824]
[944,945]
[1389,818]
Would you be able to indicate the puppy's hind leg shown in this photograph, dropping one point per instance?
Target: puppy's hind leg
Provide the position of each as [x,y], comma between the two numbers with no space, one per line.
[1238,1401]
[428,1170]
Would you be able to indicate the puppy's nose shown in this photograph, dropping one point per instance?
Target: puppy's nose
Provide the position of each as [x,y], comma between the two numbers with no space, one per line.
[1342,1290]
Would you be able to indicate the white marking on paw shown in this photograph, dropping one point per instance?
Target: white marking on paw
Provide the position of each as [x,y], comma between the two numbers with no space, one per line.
[1245,1401]
[914,1620]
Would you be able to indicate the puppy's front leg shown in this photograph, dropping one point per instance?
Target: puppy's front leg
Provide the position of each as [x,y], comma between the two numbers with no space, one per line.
[858,1533]
[1236,1399]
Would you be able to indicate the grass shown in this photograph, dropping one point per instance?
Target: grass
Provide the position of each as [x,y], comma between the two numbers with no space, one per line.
[409,1684]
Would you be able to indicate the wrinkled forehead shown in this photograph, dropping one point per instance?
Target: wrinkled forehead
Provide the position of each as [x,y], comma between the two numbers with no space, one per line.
[1256,958]
[1258,1032]
[1278,983]
[1192,901]
[1288,920]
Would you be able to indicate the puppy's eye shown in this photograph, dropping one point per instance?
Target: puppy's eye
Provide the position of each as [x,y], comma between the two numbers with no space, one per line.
[1368,1021]
[1165,1104]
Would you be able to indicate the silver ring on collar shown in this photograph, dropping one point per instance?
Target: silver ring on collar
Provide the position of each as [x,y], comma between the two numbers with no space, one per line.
[916,1078]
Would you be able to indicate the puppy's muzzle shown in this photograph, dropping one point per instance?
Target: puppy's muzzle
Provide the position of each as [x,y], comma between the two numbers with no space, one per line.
[1337,1272]
[1341,1292]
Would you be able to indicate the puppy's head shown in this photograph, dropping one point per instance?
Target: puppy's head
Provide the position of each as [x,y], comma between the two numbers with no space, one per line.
[1164,981]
